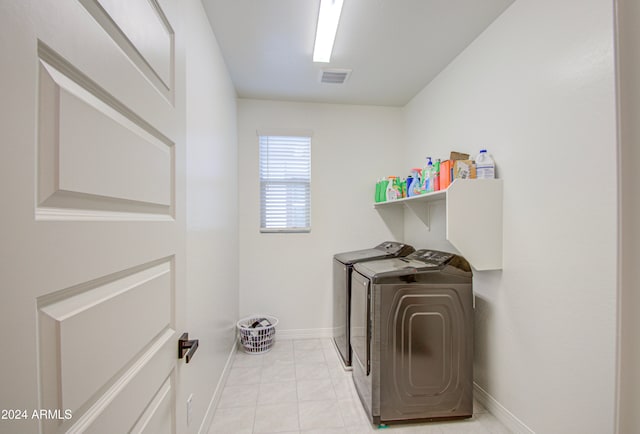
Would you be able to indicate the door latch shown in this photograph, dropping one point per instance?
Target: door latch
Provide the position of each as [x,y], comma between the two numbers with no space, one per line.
[187,346]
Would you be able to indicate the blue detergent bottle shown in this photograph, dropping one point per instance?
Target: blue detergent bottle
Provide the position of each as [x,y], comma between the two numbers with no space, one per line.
[409,186]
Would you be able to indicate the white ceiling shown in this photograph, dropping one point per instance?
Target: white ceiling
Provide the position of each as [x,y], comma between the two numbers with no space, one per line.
[394,47]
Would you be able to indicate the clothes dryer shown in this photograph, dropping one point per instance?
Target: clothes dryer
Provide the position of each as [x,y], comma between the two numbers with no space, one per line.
[342,268]
[412,337]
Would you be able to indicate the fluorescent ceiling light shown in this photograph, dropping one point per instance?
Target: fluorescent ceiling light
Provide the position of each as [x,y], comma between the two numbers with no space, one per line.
[328,19]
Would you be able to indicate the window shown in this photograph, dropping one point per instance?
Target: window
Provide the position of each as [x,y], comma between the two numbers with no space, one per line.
[285,183]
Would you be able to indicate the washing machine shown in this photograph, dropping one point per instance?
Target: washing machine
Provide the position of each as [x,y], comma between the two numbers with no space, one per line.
[342,268]
[412,337]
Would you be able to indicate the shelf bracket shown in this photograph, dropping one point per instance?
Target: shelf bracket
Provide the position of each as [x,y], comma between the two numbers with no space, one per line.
[422,210]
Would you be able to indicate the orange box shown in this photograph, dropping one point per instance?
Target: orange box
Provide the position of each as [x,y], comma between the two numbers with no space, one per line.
[445,174]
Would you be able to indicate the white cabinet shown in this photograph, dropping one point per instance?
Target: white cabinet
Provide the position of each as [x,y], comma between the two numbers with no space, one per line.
[473,218]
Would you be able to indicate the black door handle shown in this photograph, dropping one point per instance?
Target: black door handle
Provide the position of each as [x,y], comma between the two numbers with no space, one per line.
[187,346]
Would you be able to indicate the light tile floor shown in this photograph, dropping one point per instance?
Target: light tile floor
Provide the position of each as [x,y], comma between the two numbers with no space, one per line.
[300,387]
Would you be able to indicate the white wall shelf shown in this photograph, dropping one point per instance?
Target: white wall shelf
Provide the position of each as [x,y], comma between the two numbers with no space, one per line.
[473,218]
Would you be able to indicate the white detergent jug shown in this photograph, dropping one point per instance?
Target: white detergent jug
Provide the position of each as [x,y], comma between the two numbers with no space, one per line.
[485,167]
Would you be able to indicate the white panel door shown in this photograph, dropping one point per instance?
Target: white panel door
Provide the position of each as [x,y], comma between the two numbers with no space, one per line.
[92,216]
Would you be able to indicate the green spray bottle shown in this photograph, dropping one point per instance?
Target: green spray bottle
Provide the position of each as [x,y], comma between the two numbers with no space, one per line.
[383,189]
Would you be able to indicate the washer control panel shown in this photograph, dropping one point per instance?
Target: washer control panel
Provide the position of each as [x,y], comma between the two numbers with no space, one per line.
[431,256]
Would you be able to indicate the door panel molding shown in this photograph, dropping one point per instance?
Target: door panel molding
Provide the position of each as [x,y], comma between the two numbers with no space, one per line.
[151,48]
[158,416]
[136,392]
[79,357]
[94,153]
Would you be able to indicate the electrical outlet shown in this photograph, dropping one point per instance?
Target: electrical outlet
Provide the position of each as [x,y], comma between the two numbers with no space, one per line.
[189,409]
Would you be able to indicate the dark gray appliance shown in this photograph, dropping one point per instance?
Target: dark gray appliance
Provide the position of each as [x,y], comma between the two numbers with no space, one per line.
[342,268]
[412,337]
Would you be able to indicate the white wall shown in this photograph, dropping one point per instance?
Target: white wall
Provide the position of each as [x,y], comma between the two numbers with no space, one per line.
[537,89]
[629,304]
[212,203]
[289,275]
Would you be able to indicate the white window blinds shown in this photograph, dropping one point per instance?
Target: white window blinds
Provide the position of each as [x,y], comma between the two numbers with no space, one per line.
[285,184]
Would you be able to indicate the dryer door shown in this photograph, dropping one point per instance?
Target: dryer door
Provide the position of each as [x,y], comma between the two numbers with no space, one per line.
[341,296]
[360,321]
[361,341]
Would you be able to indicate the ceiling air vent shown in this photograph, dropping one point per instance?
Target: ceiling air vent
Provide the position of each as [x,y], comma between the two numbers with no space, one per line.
[335,76]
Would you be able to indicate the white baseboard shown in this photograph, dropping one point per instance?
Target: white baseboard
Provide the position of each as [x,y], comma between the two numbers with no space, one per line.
[304,333]
[507,418]
[213,404]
